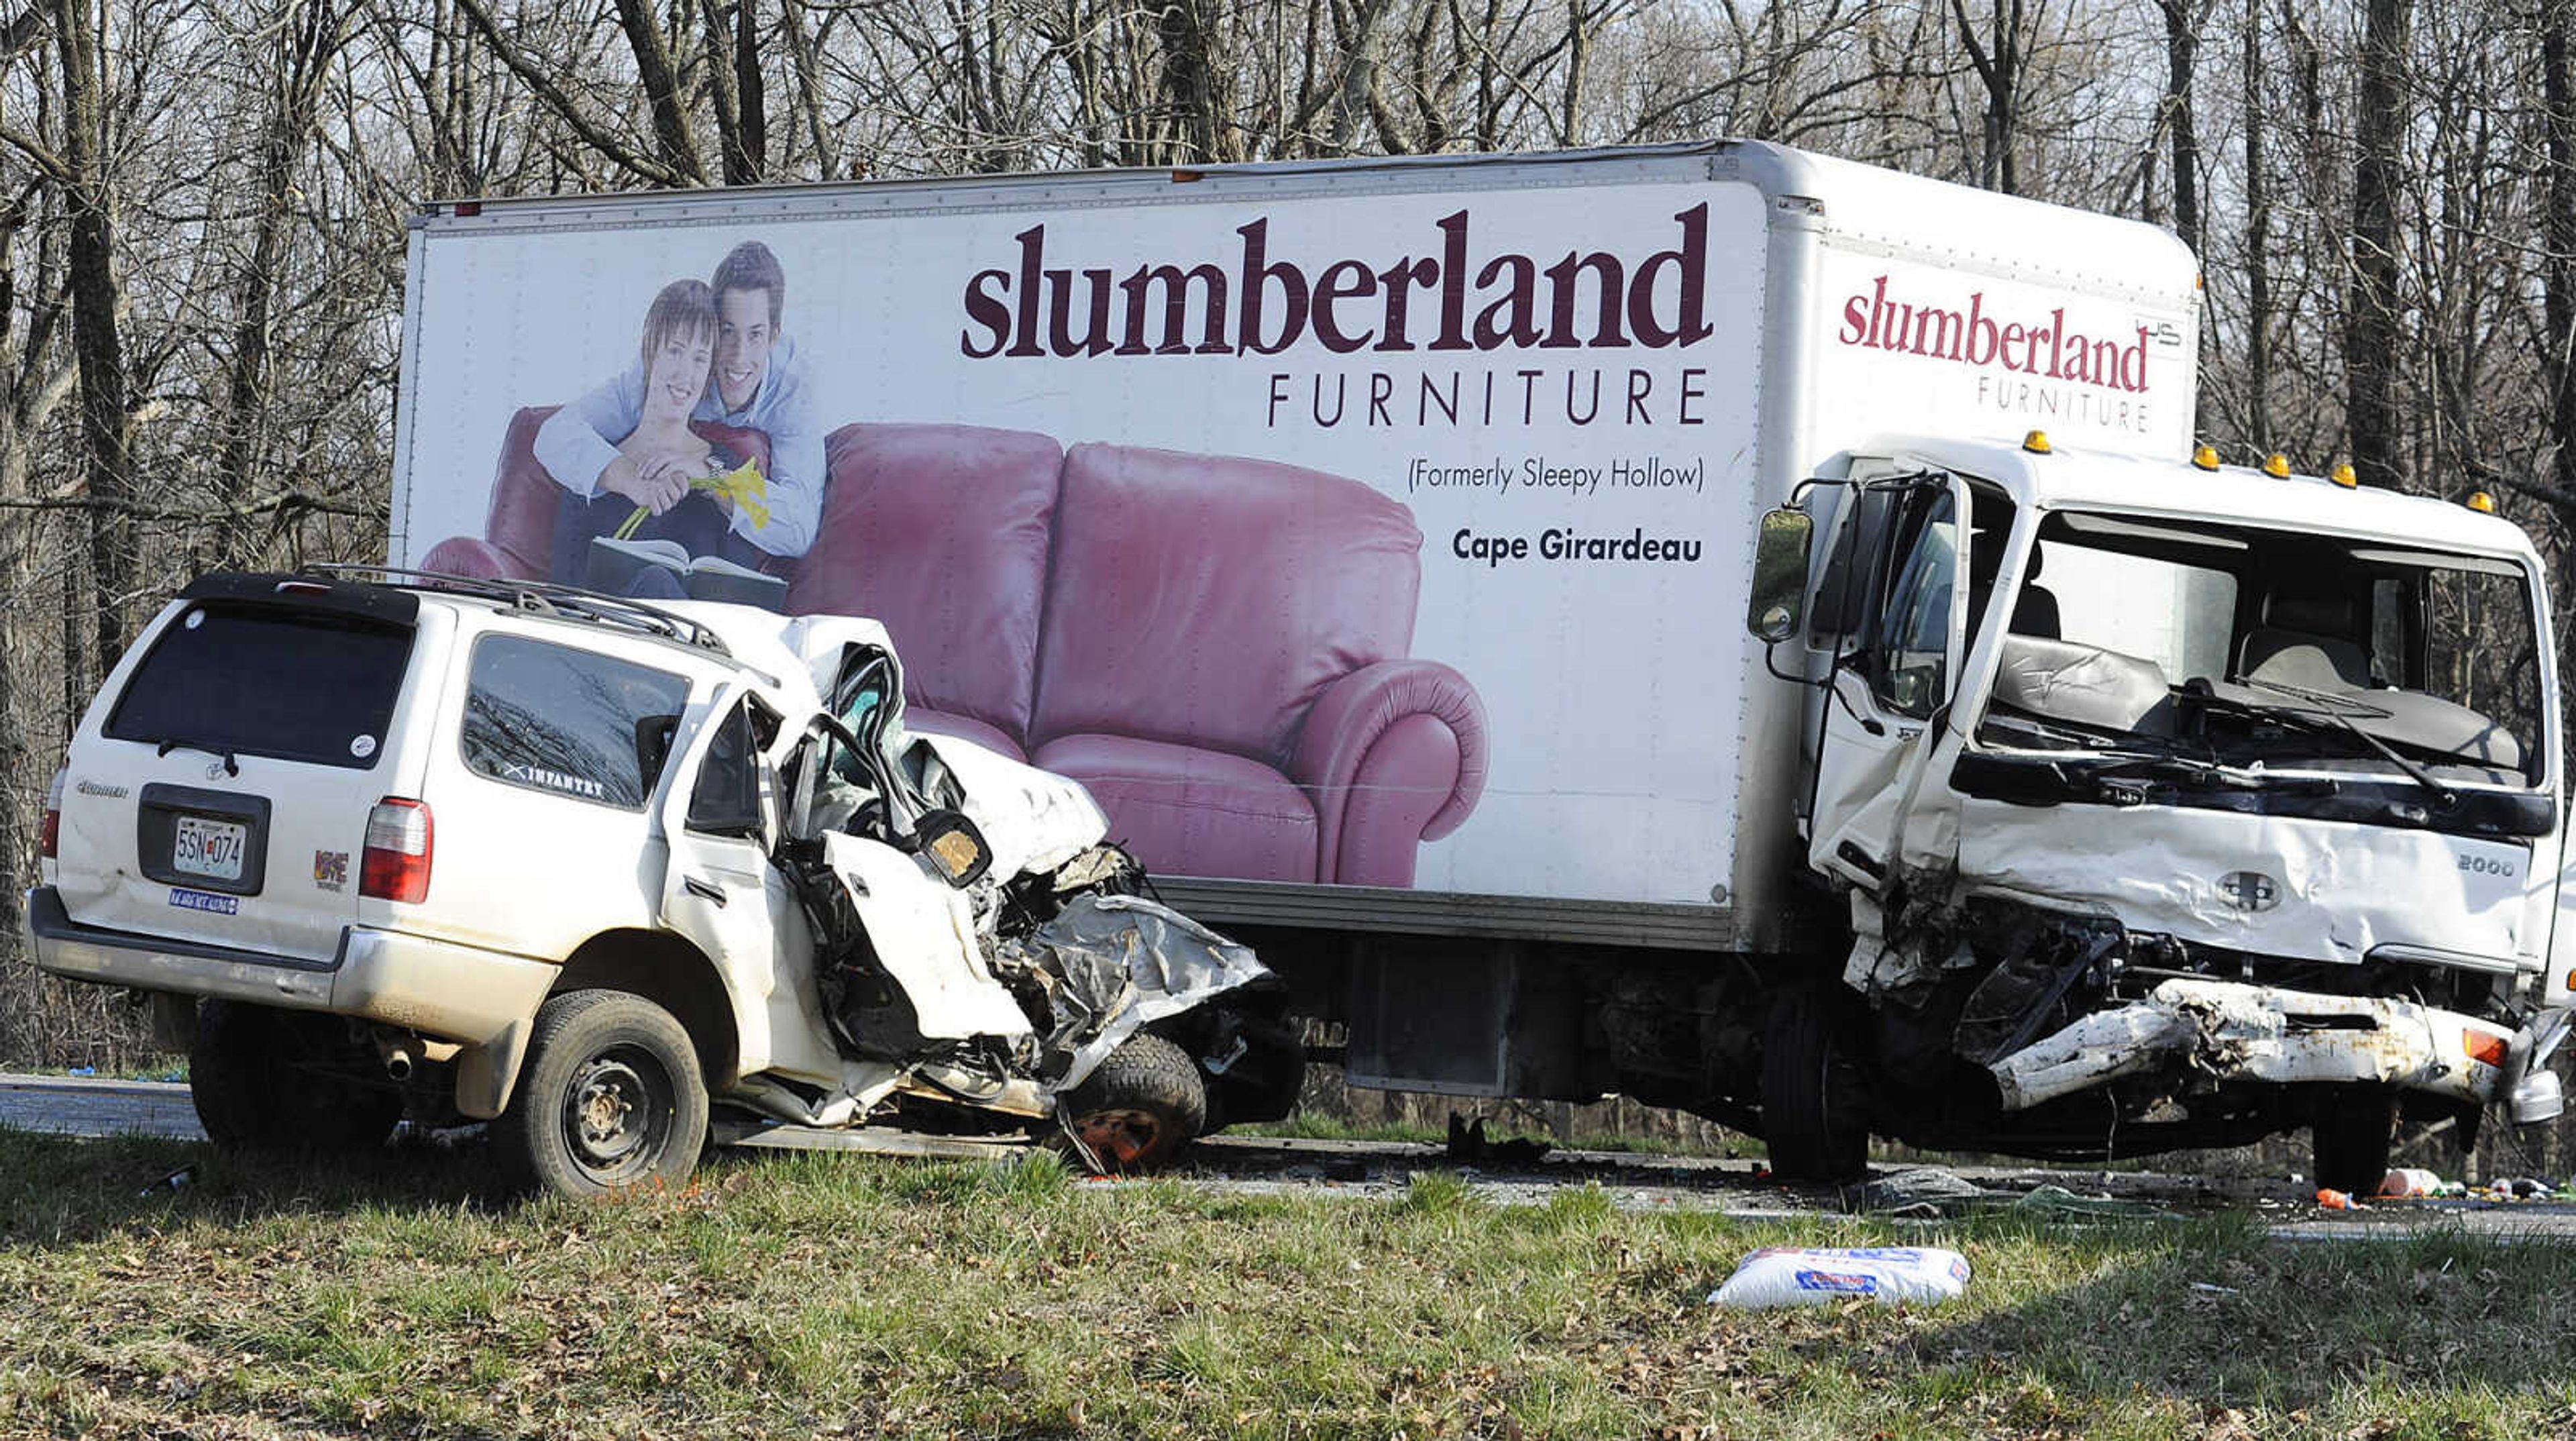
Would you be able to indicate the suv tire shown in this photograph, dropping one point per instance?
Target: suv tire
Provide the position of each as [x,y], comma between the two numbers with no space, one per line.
[1141,1107]
[611,1097]
[271,1080]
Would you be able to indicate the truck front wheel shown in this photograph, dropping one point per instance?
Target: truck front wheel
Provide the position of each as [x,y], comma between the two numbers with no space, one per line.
[271,1080]
[1141,1107]
[1815,1103]
[611,1097]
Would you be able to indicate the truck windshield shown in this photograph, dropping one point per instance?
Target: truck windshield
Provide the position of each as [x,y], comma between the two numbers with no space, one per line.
[2237,645]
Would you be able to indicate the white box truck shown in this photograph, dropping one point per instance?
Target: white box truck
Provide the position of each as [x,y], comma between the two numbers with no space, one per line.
[1370,538]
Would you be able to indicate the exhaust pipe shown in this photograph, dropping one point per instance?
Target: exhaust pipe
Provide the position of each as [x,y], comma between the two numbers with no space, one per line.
[401,1054]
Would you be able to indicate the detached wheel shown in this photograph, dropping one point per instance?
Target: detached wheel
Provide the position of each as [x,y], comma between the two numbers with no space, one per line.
[2352,1132]
[611,1097]
[288,1081]
[1141,1107]
[1815,1095]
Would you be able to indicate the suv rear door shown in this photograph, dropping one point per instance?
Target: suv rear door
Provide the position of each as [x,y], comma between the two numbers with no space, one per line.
[219,787]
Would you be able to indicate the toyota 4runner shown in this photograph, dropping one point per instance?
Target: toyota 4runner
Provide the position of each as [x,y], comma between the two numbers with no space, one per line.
[595,871]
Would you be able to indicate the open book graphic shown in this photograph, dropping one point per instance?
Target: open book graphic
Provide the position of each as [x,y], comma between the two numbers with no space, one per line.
[616,566]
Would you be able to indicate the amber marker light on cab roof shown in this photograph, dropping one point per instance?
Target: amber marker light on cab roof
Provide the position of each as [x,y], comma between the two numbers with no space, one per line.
[2206,457]
[2342,475]
[2277,466]
[2481,502]
[2036,442]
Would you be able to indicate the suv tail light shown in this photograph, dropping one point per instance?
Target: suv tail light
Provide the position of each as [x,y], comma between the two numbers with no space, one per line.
[49,839]
[396,864]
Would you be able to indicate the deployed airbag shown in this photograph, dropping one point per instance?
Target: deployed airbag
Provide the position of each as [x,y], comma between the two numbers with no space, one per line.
[2085,684]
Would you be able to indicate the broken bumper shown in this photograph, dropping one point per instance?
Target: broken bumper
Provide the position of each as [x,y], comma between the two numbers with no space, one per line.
[2229,1030]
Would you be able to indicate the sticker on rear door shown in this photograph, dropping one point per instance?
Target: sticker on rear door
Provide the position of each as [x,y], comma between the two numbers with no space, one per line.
[363,747]
[330,869]
[188,900]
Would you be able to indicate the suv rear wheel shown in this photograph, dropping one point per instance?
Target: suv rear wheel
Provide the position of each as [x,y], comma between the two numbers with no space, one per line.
[271,1080]
[611,1097]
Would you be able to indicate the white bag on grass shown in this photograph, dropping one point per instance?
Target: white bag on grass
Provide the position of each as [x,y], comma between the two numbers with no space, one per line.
[1816,1276]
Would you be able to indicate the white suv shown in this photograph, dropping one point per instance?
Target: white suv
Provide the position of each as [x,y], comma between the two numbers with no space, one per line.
[591,869]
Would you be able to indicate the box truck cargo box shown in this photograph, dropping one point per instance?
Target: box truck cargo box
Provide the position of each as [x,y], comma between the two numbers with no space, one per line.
[1374,541]
[1365,536]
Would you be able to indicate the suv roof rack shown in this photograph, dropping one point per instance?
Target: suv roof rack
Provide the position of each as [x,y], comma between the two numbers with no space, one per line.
[538,597]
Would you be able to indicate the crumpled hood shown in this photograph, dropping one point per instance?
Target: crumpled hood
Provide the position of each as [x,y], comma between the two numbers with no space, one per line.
[2295,888]
[1121,963]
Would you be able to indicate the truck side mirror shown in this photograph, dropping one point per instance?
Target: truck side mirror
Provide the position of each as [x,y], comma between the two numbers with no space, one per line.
[1779,604]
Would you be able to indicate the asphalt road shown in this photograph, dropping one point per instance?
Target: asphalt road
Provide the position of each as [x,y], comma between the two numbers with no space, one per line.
[88,1106]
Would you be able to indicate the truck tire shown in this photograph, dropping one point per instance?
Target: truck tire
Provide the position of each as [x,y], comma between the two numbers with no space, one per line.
[1815,1113]
[285,1081]
[1141,1107]
[611,1097]
[2351,1134]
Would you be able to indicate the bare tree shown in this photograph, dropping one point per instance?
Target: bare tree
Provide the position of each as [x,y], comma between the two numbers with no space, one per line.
[2371,323]
[2557,348]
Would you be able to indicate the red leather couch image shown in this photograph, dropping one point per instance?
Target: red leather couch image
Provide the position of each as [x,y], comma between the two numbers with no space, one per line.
[1214,646]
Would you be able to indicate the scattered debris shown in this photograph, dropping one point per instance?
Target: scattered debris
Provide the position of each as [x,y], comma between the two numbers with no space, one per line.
[2333,1200]
[177,1180]
[1921,1190]
[1778,1276]
[1468,1146]
[2408,1183]
[2057,1200]
[1928,1191]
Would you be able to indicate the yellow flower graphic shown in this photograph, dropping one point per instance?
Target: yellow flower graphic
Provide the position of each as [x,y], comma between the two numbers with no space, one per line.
[744,485]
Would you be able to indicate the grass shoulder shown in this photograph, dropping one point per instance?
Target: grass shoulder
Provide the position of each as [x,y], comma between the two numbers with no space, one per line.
[803,1294]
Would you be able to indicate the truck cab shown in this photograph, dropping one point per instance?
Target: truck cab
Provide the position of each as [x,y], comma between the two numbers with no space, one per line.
[2176,803]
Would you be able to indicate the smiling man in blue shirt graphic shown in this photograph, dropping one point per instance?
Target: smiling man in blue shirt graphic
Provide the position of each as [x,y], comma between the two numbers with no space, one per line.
[759,382]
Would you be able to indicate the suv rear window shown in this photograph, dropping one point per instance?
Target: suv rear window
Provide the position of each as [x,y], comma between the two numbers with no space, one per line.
[569,722]
[264,681]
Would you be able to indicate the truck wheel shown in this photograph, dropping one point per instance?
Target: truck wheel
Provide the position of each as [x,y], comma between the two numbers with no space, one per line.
[611,1097]
[271,1080]
[1141,1107]
[1815,1105]
[2352,1132]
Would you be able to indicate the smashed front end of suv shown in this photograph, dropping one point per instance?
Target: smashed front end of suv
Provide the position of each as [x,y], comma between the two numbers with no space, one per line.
[989,960]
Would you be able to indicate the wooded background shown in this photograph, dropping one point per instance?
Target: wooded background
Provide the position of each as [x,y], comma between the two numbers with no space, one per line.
[202,212]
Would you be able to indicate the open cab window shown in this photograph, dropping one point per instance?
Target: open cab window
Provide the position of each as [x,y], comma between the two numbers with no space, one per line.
[2253,652]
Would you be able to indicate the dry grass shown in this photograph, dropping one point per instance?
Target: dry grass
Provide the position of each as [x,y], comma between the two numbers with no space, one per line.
[791,1296]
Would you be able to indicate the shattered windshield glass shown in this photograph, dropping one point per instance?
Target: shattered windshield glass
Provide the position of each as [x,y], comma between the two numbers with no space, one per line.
[2237,646]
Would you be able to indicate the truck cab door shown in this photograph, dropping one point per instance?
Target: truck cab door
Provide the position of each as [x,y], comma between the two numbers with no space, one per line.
[1895,668]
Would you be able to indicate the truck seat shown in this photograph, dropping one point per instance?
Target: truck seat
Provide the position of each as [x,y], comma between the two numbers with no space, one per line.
[2304,640]
[2035,613]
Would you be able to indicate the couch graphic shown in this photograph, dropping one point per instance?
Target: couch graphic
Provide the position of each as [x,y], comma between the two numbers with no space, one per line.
[1215,646]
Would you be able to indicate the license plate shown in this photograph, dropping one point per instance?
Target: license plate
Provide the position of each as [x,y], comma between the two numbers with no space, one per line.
[213,849]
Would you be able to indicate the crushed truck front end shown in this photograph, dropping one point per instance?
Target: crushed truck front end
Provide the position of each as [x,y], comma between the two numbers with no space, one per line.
[2176,806]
